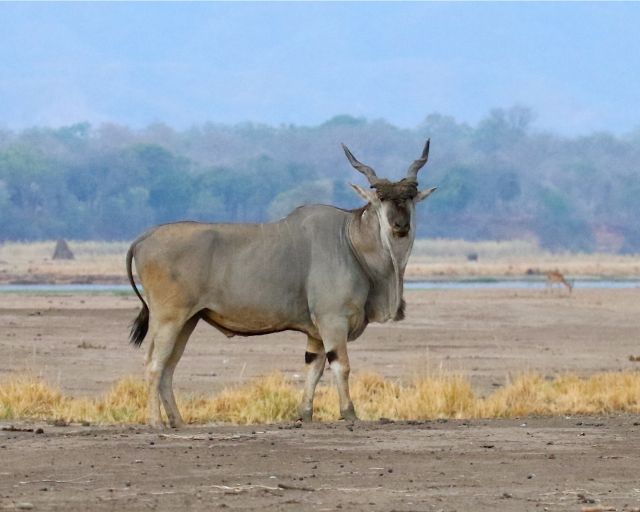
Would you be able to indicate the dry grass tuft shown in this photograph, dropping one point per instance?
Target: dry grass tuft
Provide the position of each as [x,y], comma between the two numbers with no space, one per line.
[29,397]
[269,399]
[274,399]
[601,393]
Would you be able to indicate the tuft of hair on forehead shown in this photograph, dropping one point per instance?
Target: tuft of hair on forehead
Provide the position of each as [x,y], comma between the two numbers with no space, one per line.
[404,189]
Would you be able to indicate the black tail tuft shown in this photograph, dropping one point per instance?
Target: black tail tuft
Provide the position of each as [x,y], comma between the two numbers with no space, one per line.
[140,326]
[400,313]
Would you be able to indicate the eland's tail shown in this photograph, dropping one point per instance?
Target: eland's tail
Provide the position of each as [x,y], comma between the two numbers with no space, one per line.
[140,325]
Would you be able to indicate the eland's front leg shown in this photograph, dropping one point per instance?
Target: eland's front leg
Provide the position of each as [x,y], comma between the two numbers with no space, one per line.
[314,359]
[334,333]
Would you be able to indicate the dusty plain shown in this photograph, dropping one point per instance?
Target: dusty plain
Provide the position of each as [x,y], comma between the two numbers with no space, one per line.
[79,342]
[439,259]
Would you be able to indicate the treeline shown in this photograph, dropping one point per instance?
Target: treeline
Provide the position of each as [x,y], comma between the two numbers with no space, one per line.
[499,179]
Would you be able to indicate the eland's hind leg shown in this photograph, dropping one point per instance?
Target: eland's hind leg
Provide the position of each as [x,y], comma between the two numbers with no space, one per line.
[314,359]
[164,334]
[166,381]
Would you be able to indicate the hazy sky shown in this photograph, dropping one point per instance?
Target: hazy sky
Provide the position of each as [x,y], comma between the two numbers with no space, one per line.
[576,64]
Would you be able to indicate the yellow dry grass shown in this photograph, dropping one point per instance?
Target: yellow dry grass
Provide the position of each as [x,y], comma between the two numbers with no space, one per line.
[448,258]
[434,258]
[273,399]
[26,260]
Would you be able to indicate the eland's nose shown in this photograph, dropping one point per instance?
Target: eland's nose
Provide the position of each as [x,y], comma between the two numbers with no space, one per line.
[401,228]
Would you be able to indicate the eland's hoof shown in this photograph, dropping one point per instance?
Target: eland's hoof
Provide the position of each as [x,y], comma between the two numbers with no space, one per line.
[349,414]
[306,416]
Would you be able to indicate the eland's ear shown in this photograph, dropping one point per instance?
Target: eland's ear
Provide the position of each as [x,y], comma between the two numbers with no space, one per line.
[367,194]
[423,194]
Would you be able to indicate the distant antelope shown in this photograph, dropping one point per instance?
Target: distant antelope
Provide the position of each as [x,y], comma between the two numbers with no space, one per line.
[556,277]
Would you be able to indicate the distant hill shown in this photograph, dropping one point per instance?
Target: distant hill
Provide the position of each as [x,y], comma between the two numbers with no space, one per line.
[497,180]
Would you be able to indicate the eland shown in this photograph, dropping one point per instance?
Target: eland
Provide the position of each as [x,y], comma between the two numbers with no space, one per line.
[322,271]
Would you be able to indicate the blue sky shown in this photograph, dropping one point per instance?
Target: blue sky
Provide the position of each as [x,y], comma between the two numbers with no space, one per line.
[577,65]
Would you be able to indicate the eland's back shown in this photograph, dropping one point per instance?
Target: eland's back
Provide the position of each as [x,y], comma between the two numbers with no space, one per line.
[251,278]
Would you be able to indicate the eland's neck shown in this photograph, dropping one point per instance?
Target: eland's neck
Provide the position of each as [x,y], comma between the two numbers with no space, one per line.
[385,258]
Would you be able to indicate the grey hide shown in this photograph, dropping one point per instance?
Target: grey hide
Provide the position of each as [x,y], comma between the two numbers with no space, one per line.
[323,271]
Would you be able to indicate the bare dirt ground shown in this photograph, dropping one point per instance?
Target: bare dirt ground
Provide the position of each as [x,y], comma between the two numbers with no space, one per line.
[537,464]
[79,343]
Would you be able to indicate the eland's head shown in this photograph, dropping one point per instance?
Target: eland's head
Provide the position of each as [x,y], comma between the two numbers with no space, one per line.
[394,202]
